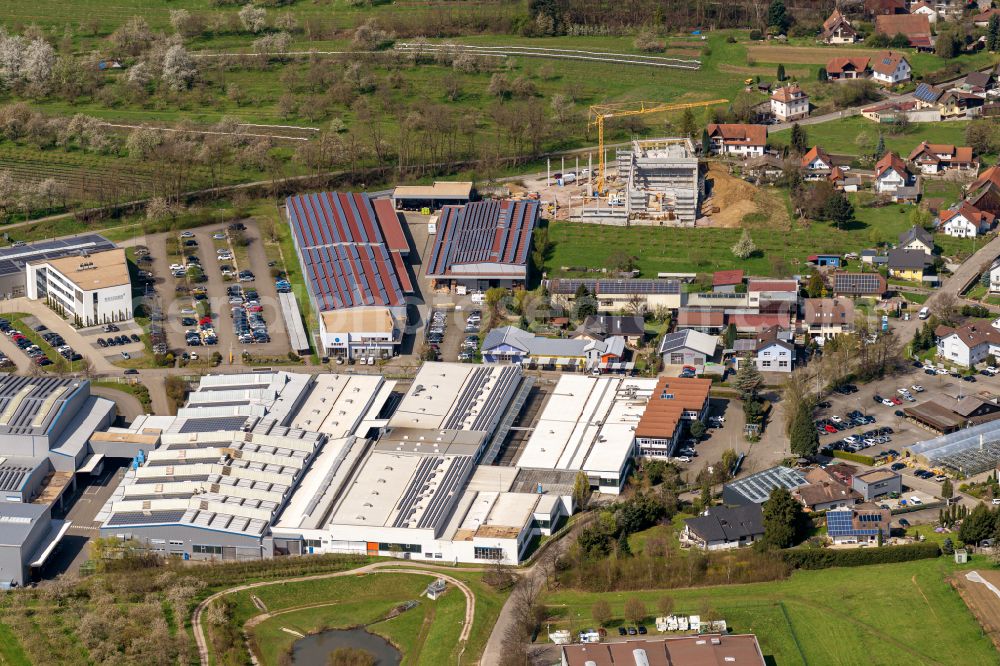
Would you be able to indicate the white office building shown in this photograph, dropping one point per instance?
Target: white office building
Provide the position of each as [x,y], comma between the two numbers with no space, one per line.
[92,289]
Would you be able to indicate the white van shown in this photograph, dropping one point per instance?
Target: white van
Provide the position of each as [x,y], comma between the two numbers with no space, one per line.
[924,313]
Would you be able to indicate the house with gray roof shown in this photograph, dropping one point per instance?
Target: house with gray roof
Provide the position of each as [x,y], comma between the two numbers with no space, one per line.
[688,347]
[917,238]
[722,527]
[509,344]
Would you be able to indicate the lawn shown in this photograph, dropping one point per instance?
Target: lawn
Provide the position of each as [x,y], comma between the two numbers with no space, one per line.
[11,653]
[858,136]
[832,616]
[426,634]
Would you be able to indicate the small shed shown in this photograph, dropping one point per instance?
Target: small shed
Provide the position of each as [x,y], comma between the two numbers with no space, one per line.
[833,260]
[436,589]
[961,556]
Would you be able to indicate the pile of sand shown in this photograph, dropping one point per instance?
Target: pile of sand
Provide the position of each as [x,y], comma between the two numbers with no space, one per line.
[734,197]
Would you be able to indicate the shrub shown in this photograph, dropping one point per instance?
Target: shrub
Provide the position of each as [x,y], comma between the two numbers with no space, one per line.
[854,457]
[756,35]
[823,558]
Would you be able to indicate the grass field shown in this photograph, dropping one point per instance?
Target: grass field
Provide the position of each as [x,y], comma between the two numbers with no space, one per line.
[11,653]
[426,634]
[858,136]
[885,614]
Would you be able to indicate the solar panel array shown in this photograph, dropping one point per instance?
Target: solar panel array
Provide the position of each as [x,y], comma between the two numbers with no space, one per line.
[213,424]
[757,487]
[13,259]
[151,518]
[598,287]
[343,251]
[858,283]
[483,232]
[841,523]
[442,492]
[926,93]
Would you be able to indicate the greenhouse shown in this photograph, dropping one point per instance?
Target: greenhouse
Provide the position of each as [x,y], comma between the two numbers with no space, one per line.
[968,452]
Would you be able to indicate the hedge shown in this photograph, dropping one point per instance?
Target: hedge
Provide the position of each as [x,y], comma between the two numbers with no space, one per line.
[855,457]
[823,558]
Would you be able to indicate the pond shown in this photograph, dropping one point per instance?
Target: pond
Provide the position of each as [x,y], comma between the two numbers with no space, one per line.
[315,648]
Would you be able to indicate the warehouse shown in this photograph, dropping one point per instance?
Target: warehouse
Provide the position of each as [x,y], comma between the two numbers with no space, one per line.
[14,259]
[89,289]
[352,253]
[45,427]
[483,244]
[589,424]
[28,535]
[432,197]
[968,452]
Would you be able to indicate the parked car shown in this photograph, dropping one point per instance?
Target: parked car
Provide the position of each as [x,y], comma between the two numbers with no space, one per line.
[895,467]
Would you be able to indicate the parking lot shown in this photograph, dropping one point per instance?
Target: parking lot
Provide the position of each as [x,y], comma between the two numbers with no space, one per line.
[199,313]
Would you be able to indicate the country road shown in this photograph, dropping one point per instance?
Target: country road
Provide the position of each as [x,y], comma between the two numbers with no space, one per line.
[377,567]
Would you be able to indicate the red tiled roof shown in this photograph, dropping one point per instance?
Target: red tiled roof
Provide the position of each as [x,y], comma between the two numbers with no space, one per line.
[756,284]
[671,398]
[969,212]
[837,65]
[759,322]
[739,133]
[813,153]
[991,175]
[971,335]
[724,278]
[690,318]
[890,161]
[957,154]
[984,17]
[914,26]
[886,62]
[835,18]
[787,93]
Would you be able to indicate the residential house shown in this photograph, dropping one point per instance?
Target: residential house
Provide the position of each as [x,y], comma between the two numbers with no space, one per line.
[737,139]
[982,19]
[816,164]
[838,30]
[602,327]
[966,221]
[843,181]
[891,67]
[908,264]
[858,284]
[873,257]
[509,344]
[917,238]
[890,112]
[927,96]
[968,345]
[933,158]
[711,322]
[877,483]
[754,324]
[884,7]
[892,175]
[766,168]
[960,104]
[916,27]
[865,524]
[979,82]
[995,277]
[688,347]
[773,296]
[722,528]
[825,318]
[675,401]
[984,192]
[773,350]
[727,281]
[843,68]
[826,495]
[924,9]
[789,103]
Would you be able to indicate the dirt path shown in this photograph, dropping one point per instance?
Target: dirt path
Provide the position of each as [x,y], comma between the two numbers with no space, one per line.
[377,567]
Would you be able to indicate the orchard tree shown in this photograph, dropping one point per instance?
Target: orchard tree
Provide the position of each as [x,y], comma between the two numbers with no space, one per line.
[601,612]
[744,247]
[635,610]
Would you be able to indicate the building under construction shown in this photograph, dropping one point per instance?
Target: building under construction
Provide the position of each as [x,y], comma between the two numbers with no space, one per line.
[659,182]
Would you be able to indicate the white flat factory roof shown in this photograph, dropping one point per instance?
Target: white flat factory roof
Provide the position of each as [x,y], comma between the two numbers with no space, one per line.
[337,403]
[431,396]
[312,499]
[376,490]
[588,424]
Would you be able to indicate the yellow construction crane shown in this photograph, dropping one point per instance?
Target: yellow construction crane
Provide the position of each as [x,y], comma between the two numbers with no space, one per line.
[600,112]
